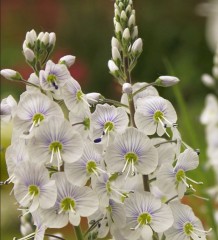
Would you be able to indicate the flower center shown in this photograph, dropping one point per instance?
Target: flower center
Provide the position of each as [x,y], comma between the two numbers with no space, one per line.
[79,95]
[68,204]
[158,115]
[55,146]
[33,190]
[37,118]
[144,218]
[86,123]
[91,167]
[131,157]
[52,79]
[180,175]
[108,126]
[188,228]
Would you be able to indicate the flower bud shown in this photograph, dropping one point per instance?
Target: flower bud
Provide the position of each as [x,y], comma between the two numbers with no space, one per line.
[68,60]
[131,21]
[215,60]
[126,34]
[118,28]
[128,9]
[166,81]
[137,46]
[121,6]
[45,38]
[215,71]
[127,88]
[115,43]
[93,98]
[207,80]
[10,74]
[30,38]
[29,54]
[112,66]
[135,33]
[52,38]
[40,36]
[115,54]
[116,13]
[123,16]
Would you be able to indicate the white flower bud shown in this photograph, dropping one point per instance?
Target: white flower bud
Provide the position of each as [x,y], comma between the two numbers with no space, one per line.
[93,98]
[30,38]
[115,43]
[135,32]
[118,28]
[29,54]
[131,21]
[215,71]
[215,60]
[45,38]
[26,229]
[52,38]
[10,74]
[126,34]
[115,54]
[121,6]
[40,36]
[116,13]
[68,60]
[166,81]
[127,88]
[207,80]
[137,46]
[123,15]
[128,9]
[112,66]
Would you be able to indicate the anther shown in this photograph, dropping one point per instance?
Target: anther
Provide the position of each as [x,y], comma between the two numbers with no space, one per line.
[197,151]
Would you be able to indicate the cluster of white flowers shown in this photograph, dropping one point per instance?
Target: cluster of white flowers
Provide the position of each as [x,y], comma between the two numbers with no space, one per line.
[209,118]
[123,165]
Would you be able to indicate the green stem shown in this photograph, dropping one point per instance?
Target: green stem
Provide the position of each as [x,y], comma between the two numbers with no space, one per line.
[146,183]
[116,103]
[54,236]
[78,232]
[170,141]
[163,237]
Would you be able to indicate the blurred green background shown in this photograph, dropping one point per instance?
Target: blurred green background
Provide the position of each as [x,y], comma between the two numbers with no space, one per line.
[172,32]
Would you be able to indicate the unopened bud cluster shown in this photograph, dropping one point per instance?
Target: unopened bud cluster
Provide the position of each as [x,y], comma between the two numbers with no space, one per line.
[126,46]
[37,48]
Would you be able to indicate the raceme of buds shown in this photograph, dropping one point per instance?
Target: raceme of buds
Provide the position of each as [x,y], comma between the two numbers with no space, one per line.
[10,74]
[166,81]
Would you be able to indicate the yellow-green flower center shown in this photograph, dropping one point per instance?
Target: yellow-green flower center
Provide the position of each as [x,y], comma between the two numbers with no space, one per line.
[38,117]
[131,157]
[67,204]
[144,218]
[79,95]
[180,175]
[33,190]
[188,228]
[86,123]
[108,126]
[51,78]
[158,115]
[55,146]
[91,167]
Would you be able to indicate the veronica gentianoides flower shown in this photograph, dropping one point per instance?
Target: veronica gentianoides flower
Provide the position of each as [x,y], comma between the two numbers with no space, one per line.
[154,114]
[55,142]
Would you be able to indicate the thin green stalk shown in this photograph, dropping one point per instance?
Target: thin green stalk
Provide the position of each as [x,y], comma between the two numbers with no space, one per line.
[78,232]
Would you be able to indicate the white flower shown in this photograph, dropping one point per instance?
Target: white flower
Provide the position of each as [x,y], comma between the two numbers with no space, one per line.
[54,76]
[8,108]
[79,172]
[72,203]
[145,214]
[33,187]
[154,114]
[74,98]
[186,225]
[210,112]
[169,177]
[33,108]
[107,120]
[81,121]
[131,152]
[55,141]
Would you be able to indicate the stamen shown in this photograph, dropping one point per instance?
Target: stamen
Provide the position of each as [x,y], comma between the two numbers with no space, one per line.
[59,158]
[197,151]
[171,124]
[116,191]
[124,168]
[101,170]
[31,235]
[187,185]
[202,231]
[95,172]
[52,156]
[138,225]
[54,83]
[133,169]
[28,194]
[162,124]
[191,180]
[32,126]
[128,172]
[84,100]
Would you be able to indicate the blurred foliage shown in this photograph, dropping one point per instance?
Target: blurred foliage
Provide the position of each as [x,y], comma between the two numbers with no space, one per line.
[170,29]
